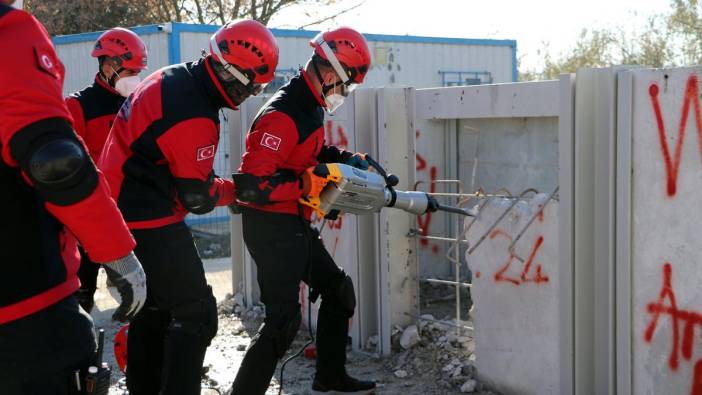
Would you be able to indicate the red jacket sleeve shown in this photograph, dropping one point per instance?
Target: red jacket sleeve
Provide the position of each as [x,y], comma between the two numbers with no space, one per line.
[268,146]
[76,111]
[32,109]
[190,147]
[31,77]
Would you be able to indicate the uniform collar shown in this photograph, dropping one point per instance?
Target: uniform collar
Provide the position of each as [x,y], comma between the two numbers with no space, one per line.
[202,70]
[99,82]
[308,93]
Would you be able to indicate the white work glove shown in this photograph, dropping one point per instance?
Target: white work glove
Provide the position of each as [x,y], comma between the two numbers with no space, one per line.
[127,275]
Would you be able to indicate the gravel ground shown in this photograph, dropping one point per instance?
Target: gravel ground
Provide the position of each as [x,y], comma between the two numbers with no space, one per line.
[428,360]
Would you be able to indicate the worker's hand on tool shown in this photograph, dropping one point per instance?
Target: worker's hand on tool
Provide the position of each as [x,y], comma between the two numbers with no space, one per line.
[432,204]
[358,160]
[127,275]
[313,181]
[234,208]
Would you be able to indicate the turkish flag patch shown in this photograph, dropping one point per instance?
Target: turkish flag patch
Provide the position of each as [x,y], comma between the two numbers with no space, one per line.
[270,141]
[46,64]
[205,152]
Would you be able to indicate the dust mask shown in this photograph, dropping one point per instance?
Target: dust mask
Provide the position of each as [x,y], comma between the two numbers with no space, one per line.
[126,85]
[333,101]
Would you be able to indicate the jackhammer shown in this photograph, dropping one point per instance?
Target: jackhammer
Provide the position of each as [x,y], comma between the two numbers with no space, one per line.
[356,191]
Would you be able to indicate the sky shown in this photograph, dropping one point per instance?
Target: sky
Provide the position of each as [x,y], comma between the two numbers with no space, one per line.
[530,22]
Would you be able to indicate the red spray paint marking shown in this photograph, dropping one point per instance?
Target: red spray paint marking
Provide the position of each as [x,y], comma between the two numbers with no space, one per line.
[538,278]
[342,141]
[672,167]
[688,317]
[421,163]
[523,278]
[697,379]
[541,213]
[425,221]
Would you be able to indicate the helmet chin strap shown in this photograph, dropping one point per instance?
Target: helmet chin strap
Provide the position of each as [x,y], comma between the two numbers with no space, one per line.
[112,81]
[325,88]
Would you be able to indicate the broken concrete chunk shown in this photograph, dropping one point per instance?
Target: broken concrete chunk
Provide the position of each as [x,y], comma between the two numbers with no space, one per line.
[237,328]
[372,342]
[469,386]
[401,373]
[468,370]
[239,299]
[410,337]
[425,319]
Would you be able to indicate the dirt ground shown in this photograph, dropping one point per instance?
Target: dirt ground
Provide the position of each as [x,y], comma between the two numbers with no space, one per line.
[436,360]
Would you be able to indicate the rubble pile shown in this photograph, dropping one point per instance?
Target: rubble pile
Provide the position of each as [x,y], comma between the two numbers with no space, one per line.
[429,358]
[435,351]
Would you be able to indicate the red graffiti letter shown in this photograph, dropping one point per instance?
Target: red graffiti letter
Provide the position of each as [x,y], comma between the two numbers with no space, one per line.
[672,166]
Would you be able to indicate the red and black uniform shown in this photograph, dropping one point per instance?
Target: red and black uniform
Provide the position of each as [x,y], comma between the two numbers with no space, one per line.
[93,109]
[286,138]
[54,194]
[158,160]
[158,157]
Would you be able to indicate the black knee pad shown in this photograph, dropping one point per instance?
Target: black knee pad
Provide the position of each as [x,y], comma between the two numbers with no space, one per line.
[198,318]
[281,325]
[340,297]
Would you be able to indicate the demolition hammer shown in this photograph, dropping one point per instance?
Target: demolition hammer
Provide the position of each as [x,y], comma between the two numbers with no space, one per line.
[351,190]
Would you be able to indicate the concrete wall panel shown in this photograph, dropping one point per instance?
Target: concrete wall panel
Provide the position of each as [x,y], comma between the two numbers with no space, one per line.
[516,294]
[665,244]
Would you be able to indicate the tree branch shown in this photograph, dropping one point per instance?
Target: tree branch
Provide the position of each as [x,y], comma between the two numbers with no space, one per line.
[332,16]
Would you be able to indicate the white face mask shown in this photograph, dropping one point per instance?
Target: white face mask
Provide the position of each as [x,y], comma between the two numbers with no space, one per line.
[126,85]
[17,4]
[333,101]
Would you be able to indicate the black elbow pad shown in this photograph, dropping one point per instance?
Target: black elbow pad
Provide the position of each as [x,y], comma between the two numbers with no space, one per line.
[55,161]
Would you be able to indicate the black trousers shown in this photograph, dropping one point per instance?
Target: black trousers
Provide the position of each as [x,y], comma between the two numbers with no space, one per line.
[87,273]
[40,353]
[287,250]
[168,338]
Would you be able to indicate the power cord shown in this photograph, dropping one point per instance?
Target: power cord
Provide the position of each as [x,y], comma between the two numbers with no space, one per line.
[302,349]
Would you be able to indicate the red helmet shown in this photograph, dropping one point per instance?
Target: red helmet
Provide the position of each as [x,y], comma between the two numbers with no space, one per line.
[121,347]
[122,45]
[346,47]
[248,45]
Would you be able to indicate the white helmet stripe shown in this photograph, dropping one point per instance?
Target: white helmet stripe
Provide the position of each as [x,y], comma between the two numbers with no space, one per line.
[333,60]
[231,69]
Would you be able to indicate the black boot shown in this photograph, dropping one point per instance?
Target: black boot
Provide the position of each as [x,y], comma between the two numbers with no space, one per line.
[343,385]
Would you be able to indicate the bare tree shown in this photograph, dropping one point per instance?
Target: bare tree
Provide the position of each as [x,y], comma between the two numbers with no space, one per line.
[75,16]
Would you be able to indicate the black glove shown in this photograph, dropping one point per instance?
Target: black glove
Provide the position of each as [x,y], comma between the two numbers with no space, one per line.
[127,275]
[234,208]
[358,160]
[432,204]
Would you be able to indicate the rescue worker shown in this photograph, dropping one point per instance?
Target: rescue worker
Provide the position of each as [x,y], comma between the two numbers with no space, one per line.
[53,194]
[121,56]
[286,138]
[158,159]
